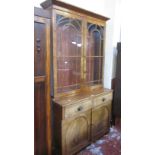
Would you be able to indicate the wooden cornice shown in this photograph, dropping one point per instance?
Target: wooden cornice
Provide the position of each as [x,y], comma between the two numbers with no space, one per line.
[49,3]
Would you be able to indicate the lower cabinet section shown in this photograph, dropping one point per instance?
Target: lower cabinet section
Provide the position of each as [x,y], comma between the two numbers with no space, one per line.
[78,123]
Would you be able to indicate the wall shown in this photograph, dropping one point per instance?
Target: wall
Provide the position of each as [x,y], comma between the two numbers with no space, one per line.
[37,3]
[111,9]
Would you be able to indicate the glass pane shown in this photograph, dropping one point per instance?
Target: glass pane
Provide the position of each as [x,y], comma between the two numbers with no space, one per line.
[69,45]
[94,54]
[68,36]
[94,40]
[68,73]
[94,70]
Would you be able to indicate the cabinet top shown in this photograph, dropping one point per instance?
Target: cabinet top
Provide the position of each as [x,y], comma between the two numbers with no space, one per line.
[49,3]
[71,99]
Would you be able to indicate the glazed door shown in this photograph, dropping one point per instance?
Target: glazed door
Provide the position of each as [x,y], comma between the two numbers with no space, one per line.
[94,53]
[76,133]
[67,51]
[42,123]
[101,116]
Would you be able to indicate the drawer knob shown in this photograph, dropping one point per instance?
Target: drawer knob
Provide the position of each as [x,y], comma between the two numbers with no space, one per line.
[103,99]
[80,108]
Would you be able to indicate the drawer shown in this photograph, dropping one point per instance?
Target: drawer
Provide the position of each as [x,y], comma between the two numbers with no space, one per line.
[102,99]
[77,108]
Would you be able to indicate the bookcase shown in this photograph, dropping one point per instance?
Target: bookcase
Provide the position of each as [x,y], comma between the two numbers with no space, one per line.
[81,106]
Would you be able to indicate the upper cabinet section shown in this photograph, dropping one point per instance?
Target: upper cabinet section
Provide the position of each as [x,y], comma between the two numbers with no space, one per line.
[78,51]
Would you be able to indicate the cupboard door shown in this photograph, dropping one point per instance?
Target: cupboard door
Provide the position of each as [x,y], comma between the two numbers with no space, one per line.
[101,116]
[76,133]
[67,52]
[42,120]
[94,54]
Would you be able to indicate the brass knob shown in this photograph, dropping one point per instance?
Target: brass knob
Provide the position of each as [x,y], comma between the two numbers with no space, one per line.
[80,108]
[103,99]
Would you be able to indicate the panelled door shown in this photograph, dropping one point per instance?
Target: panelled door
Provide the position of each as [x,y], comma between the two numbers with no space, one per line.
[76,133]
[101,116]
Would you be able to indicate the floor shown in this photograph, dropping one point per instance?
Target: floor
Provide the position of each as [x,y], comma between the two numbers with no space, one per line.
[110,144]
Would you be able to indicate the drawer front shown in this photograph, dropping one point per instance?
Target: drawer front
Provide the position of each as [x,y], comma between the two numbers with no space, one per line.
[77,108]
[102,99]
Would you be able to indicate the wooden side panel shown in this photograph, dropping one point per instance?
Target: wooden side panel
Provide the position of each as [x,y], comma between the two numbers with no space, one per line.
[76,133]
[42,108]
[101,117]
[57,116]
[40,119]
